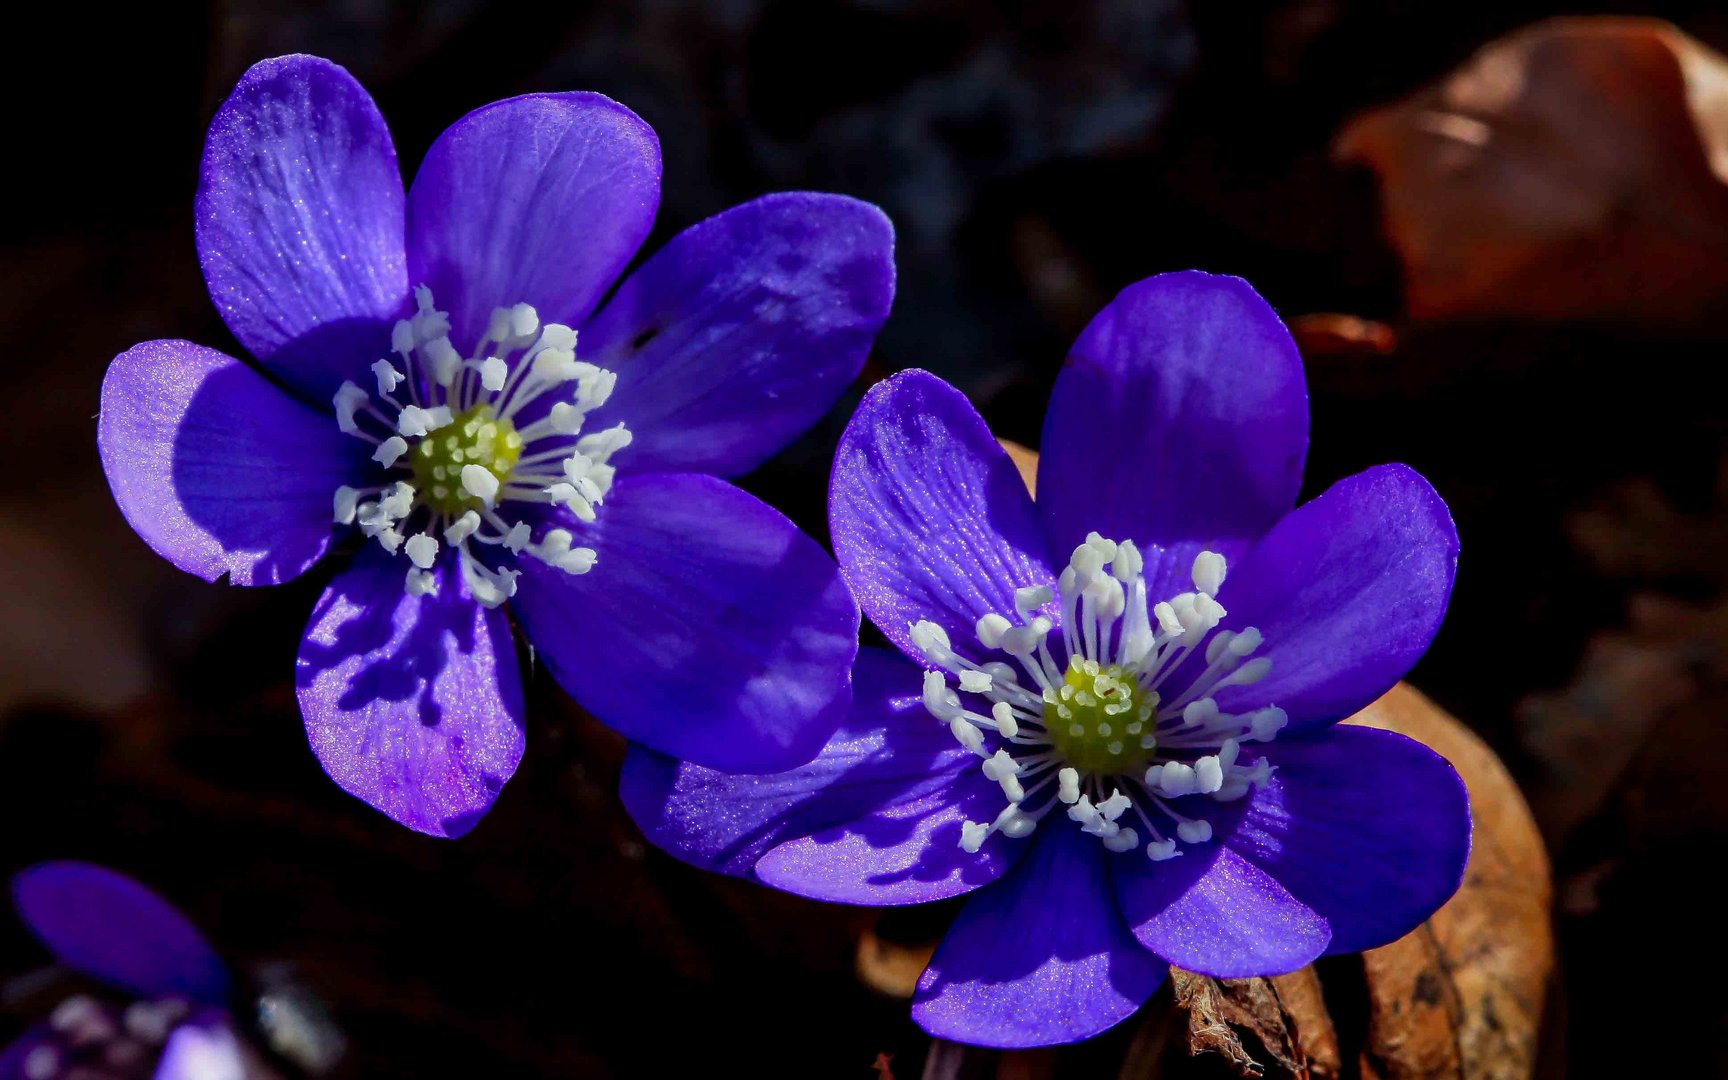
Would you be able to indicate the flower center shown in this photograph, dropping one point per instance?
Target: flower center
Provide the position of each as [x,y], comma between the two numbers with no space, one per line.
[459,462]
[1124,732]
[1099,719]
[476,437]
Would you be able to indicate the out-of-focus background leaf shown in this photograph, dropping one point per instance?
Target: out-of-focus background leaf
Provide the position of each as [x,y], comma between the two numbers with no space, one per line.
[1503,244]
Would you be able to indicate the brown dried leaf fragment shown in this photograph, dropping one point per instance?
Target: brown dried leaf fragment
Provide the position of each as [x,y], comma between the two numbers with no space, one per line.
[1284,1020]
[1577,168]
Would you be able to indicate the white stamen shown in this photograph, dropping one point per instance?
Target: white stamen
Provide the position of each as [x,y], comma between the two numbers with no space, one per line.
[421,582]
[493,372]
[389,450]
[349,400]
[347,499]
[1194,832]
[555,550]
[566,418]
[478,481]
[1068,785]
[388,378]
[462,528]
[422,551]
[1209,572]
[445,360]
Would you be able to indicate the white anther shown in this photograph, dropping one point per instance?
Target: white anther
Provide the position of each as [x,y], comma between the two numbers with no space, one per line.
[1021,641]
[1200,713]
[566,418]
[1195,832]
[572,498]
[517,538]
[1086,562]
[966,734]
[345,502]
[555,550]
[972,836]
[493,372]
[390,540]
[1083,811]
[389,450]
[1128,562]
[1001,764]
[1160,850]
[428,322]
[1032,597]
[1165,613]
[595,388]
[388,377]
[41,1063]
[498,325]
[1265,724]
[82,1018]
[1068,785]
[349,400]
[421,582]
[1115,806]
[1016,824]
[555,365]
[558,336]
[446,361]
[976,682]
[398,502]
[402,337]
[603,444]
[932,641]
[1250,673]
[991,627]
[1177,779]
[1003,714]
[462,528]
[478,481]
[1126,840]
[1228,753]
[1208,774]
[1209,572]
[413,421]
[524,321]
[422,550]
[1245,642]
[935,693]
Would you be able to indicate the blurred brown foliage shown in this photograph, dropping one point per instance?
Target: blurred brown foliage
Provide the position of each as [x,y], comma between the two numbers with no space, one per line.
[1577,169]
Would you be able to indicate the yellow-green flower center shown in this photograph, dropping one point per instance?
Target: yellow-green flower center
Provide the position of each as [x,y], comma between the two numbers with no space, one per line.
[475,437]
[1099,719]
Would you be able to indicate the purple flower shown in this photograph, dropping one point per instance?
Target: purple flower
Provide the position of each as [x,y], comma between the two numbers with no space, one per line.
[1150,661]
[173,1022]
[482,454]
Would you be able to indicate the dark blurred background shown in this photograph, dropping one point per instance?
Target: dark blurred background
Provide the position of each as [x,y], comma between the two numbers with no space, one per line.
[1517,283]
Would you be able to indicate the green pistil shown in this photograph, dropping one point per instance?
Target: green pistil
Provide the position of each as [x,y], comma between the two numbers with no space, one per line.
[474,437]
[1099,719]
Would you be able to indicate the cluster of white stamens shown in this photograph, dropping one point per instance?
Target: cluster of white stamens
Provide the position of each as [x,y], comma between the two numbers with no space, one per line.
[88,1038]
[452,437]
[1096,726]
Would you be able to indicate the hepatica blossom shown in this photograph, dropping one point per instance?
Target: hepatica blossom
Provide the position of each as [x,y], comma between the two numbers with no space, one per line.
[165,1013]
[435,378]
[1115,715]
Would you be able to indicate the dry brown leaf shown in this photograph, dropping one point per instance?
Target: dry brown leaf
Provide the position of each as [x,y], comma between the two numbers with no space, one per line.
[1285,1019]
[1575,169]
